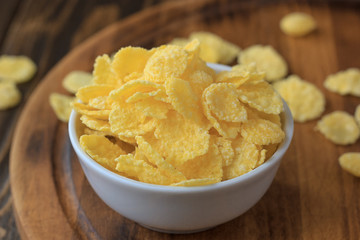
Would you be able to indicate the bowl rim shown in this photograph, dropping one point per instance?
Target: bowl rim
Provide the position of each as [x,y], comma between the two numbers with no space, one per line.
[288,127]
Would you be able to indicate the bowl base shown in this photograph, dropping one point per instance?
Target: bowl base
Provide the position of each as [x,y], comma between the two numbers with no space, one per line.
[175,231]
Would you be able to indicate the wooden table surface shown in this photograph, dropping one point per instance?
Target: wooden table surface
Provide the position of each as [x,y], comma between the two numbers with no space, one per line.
[47,30]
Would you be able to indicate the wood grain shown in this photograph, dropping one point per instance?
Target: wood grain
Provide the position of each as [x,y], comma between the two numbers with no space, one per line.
[310,198]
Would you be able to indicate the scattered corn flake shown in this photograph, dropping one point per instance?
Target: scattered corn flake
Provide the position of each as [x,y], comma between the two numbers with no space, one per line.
[357,114]
[101,150]
[141,170]
[156,159]
[297,24]
[350,162]
[61,104]
[180,139]
[344,82]
[304,99]
[16,69]
[168,62]
[245,160]
[214,48]
[10,95]
[179,42]
[199,81]
[103,73]
[267,59]
[339,127]
[262,132]
[261,96]
[130,60]
[75,80]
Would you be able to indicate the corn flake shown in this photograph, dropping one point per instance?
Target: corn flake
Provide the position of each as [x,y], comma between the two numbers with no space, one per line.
[262,132]
[10,96]
[267,59]
[357,114]
[344,82]
[350,162]
[339,127]
[103,73]
[261,96]
[304,99]
[245,160]
[297,24]
[101,150]
[191,140]
[61,104]
[75,80]
[16,69]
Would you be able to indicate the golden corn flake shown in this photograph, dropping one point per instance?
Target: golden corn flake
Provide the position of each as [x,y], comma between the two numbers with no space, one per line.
[183,99]
[179,42]
[103,73]
[101,149]
[191,140]
[344,82]
[357,114]
[226,150]
[350,162]
[304,99]
[158,116]
[262,132]
[102,114]
[10,96]
[170,61]
[16,69]
[224,128]
[141,170]
[297,24]
[241,74]
[86,93]
[261,96]
[127,90]
[223,102]
[129,121]
[61,104]
[130,60]
[75,80]
[208,165]
[339,127]
[267,59]
[155,158]
[95,124]
[245,160]
[215,49]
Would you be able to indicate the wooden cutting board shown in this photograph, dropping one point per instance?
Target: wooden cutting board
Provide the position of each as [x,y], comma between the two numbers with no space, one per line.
[310,198]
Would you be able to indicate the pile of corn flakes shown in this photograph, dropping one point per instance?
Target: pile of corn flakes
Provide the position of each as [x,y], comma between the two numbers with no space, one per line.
[162,116]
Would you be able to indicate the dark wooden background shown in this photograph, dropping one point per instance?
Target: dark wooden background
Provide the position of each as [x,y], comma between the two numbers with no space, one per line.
[47,30]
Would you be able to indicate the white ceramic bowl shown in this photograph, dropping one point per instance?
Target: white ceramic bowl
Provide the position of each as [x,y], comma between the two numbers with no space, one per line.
[181,209]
